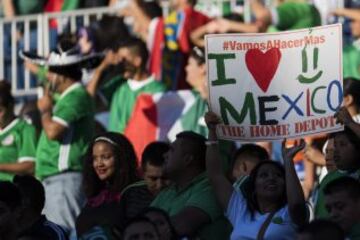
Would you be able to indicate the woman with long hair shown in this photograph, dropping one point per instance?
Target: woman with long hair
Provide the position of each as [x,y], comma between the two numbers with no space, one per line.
[109,166]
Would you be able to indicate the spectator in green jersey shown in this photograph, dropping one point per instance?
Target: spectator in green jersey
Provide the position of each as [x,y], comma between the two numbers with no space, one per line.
[17,139]
[68,127]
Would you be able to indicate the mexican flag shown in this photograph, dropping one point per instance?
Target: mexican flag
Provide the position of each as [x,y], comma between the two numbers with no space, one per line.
[163,115]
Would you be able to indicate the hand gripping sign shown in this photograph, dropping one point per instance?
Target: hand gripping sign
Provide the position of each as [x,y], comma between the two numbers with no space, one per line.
[272,86]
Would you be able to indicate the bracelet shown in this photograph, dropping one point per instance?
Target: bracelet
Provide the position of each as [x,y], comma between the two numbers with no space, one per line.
[210,143]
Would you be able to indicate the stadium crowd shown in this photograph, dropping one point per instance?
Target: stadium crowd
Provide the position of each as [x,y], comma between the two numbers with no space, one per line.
[109,152]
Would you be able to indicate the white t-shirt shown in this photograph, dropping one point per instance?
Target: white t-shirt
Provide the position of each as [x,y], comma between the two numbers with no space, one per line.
[246,228]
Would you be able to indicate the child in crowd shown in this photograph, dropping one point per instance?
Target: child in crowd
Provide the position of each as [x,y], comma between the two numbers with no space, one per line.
[162,222]
[245,160]
[321,229]
[342,200]
[343,151]
[141,228]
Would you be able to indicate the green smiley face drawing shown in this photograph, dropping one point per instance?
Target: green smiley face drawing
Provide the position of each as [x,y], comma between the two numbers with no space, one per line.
[309,79]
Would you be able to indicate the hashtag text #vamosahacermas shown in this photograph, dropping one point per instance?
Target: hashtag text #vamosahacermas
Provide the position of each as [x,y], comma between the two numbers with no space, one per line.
[276,43]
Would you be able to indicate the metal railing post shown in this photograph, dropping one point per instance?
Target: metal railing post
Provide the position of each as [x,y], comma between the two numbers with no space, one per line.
[27,40]
[2,60]
[13,57]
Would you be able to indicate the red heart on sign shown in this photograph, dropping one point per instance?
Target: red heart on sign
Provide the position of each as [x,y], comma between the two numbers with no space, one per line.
[262,66]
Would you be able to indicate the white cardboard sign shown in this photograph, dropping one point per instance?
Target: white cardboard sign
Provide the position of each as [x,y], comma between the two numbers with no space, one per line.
[272,86]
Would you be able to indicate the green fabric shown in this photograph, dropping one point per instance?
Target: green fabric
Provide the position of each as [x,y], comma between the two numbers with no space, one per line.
[297,15]
[17,144]
[75,109]
[69,5]
[351,61]
[320,210]
[41,74]
[193,119]
[355,232]
[198,194]
[123,102]
[24,7]
[109,87]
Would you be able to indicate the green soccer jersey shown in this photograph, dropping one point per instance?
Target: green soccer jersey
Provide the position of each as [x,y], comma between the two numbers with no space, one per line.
[123,101]
[291,15]
[74,110]
[17,144]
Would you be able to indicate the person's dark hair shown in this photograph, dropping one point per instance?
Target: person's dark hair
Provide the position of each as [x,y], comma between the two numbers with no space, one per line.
[234,17]
[192,2]
[323,229]
[153,154]
[166,216]
[249,187]
[195,144]
[251,151]
[6,98]
[125,165]
[10,195]
[140,220]
[350,135]
[138,48]
[72,72]
[352,87]
[32,190]
[109,31]
[347,184]
[151,9]
[198,54]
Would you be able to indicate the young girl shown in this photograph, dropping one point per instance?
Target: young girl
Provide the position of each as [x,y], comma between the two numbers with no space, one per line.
[109,167]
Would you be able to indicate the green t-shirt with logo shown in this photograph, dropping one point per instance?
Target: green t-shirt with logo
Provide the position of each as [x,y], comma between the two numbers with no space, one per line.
[74,110]
[17,144]
[124,99]
[199,194]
